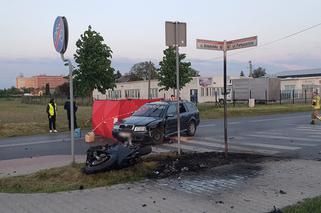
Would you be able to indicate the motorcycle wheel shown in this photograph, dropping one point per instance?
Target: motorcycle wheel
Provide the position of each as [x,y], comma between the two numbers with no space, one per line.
[106,165]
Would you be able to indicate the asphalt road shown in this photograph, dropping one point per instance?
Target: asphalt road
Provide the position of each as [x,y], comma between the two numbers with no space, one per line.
[284,135]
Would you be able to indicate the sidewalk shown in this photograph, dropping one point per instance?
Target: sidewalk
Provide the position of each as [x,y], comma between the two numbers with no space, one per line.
[279,183]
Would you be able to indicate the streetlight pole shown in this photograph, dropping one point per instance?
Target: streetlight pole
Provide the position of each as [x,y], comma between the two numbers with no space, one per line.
[177,89]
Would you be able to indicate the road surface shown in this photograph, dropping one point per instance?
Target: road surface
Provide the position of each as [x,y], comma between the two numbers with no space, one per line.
[284,135]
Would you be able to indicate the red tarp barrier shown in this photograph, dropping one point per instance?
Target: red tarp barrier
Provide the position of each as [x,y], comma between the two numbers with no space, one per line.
[105,112]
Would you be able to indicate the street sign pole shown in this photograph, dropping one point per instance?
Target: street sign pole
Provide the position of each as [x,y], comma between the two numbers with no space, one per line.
[177,90]
[225,46]
[60,39]
[225,104]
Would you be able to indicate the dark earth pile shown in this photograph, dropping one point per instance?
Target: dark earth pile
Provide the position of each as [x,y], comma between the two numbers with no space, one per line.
[173,165]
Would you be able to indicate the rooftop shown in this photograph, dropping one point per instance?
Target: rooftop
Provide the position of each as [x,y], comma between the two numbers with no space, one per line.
[299,73]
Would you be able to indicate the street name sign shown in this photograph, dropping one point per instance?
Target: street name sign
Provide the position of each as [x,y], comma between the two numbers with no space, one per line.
[209,45]
[170,33]
[242,43]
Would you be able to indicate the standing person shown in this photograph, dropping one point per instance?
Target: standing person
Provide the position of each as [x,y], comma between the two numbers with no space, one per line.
[52,113]
[316,107]
[67,108]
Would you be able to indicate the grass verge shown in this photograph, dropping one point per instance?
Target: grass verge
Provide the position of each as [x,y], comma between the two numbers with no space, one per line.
[155,167]
[209,111]
[70,178]
[305,206]
[18,119]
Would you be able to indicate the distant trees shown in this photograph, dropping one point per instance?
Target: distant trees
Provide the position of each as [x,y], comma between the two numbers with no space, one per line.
[167,70]
[62,90]
[10,92]
[47,90]
[242,74]
[93,59]
[142,70]
[258,72]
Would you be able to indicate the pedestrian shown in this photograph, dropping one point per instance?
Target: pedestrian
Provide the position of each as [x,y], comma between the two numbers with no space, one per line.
[52,114]
[316,107]
[67,108]
[173,98]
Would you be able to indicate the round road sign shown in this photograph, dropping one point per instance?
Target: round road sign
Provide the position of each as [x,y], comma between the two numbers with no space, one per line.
[60,34]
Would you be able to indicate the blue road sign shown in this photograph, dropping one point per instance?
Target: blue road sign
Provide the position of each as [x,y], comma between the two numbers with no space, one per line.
[60,34]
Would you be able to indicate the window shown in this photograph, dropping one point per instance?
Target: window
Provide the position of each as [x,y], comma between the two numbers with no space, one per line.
[113,94]
[206,91]
[202,91]
[182,108]
[132,93]
[191,107]
[154,93]
[171,109]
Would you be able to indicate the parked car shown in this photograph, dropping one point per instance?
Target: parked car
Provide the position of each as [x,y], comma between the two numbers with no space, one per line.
[156,121]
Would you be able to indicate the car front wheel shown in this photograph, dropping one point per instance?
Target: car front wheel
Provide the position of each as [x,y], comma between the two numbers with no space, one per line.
[191,129]
[157,136]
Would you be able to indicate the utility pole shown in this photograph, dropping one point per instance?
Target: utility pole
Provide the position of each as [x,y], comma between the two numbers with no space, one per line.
[250,69]
[149,77]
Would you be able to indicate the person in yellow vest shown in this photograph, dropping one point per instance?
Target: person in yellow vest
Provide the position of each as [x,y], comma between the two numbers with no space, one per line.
[52,113]
[316,107]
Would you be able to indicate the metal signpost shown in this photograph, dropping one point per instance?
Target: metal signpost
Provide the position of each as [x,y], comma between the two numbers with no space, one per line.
[175,33]
[60,39]
[225,46]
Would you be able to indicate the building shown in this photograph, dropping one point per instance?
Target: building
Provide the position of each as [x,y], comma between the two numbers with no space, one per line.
[300,79]
[39,82]
[204,89]
[300,83]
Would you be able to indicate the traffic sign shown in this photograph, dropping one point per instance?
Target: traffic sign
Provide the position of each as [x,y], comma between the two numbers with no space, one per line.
[209,45]
[60,34]
[171,31]
[242,43]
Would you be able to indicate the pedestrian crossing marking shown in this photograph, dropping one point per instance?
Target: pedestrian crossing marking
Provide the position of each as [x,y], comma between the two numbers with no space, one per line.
[282,137]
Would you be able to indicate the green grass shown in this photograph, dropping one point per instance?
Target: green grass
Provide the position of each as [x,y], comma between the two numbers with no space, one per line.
[70,178]
[18,119]
[209,111]
[312,205]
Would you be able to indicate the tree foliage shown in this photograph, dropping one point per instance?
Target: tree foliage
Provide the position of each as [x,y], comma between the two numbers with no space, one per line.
[194,72]
[242,73]
[141,71]
[62,90]
[10,92]
[47,89]
[93,59]
[259,72]
[167,70]
[118,74]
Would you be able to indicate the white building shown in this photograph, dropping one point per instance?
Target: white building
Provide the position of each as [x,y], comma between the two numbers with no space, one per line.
[207,89]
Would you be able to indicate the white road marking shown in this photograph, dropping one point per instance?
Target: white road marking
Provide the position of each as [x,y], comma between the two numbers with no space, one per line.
[191,148]
[272,119]
[282,137]
[206,125]
[232,147]
[274,146]
[158,149]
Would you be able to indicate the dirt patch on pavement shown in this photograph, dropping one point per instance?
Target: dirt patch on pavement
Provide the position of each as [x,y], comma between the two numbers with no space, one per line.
[173,165]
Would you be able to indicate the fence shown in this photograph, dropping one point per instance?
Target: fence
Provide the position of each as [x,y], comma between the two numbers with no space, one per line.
[42,100]
[284,96]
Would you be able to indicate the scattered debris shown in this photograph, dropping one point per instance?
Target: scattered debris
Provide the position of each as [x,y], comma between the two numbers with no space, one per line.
[232,207]
[282,192]
[220,202]
[184,169]
[154,201]
[144,205]
[81,187]
[275,210]
[164,198]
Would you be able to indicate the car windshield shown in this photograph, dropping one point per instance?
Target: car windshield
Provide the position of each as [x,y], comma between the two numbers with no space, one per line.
[150,110]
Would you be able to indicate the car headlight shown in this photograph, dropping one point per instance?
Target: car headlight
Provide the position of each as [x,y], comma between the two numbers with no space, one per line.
[116,126]
[140,128]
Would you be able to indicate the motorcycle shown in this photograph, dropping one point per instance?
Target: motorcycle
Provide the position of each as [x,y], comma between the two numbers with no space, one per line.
[116,156]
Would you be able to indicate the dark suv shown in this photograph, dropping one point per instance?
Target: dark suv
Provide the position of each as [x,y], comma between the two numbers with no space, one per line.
[154,122]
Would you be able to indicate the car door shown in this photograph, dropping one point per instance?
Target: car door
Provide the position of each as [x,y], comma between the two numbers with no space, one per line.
[171,119]
[184,116]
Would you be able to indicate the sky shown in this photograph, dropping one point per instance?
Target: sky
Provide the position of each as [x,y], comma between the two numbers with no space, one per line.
[135,31]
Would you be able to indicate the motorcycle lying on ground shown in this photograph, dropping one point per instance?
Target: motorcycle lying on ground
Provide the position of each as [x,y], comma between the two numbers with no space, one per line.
[115,156]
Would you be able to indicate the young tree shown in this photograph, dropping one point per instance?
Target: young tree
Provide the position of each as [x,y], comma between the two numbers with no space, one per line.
[167,70]
[93,59]
[142,70]
[62,90]
[47,89]
[118,74]
[259,72]
[242,73]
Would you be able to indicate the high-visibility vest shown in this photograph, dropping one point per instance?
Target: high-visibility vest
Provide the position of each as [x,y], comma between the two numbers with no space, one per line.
[52,109]
[316,102]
